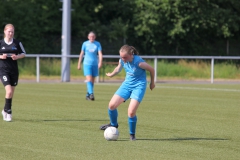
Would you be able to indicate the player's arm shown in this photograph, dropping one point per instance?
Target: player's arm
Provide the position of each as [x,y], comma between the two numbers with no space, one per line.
[19,56]
[100,59]
[12,55]
[149,68]
[115,71]
[21,51]
[80,59]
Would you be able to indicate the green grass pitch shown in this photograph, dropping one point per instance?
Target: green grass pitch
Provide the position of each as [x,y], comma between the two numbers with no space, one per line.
[53,121]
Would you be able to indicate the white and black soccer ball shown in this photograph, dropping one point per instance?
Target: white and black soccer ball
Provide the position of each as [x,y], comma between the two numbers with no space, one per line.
[111,134]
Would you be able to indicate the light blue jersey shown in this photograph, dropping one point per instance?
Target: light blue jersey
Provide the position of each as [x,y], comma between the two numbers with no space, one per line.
[135,75]
[91,52]
[135,83]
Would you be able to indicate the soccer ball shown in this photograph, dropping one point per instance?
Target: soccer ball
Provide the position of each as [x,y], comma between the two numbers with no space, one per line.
[111,134]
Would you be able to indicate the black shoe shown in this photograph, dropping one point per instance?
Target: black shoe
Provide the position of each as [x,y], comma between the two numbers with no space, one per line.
[105,126]
[87,98]
[91,97]
[132,137]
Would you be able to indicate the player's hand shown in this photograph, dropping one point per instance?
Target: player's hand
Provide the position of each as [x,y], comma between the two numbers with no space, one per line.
[99,65]
[14,57]
[4,56]
[109,74]
[79,67]
[151,86]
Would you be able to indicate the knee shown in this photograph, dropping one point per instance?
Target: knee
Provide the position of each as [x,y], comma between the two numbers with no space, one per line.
[131,114]
[9,93]
[112,106]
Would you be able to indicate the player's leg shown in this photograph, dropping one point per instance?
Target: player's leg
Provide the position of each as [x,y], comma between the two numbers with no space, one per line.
[112,109]
[121,95]
[92,80]
[9,91]
[136,97]
[89,86]
[132,118]
[91,92]
[8,102]
[88,74]
[112,112]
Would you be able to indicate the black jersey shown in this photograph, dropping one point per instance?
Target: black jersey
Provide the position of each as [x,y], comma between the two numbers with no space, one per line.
[9,65]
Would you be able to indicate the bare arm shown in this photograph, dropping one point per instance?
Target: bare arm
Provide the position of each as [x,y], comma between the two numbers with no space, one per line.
[19,56]
[149,68]
[115,71]
[100,59]
[80,60]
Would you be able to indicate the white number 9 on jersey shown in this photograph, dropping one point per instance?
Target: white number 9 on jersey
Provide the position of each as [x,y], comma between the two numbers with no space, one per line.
[5,78]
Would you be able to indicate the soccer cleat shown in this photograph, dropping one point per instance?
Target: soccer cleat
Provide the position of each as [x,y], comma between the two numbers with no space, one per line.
[6,117]
[9,118]
[87,98]
[4,114]
[91,96]
[132,137]
[105,126]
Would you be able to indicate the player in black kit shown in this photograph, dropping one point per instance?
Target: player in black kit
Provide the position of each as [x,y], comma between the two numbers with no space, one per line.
[10,51]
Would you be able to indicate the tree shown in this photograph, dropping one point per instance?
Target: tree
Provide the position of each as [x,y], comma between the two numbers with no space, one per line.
[190,27]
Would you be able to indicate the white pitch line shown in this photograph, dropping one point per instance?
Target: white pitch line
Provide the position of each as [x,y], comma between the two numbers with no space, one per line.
[190,88]
[195,88]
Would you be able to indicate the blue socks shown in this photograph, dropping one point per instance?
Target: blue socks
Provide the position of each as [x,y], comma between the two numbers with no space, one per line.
[132,122]
[89,87]
[113,114]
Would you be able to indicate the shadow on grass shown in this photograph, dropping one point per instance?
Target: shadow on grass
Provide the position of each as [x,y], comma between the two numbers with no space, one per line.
[70,120]
[185,139]
[177,139]
[59,120]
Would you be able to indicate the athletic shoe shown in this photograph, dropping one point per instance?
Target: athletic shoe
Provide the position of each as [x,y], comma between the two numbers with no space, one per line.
[9,118]
[6,117]
[87,98]
[4,114]
[132,137]
[105,126]
[91,96]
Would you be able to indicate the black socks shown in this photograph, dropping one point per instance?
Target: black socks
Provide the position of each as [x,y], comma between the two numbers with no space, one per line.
[8,105]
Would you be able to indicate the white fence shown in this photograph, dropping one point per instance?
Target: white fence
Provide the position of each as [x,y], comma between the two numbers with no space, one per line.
[156,58]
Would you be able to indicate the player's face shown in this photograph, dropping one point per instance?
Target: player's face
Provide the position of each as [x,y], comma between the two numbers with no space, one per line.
[91,37]
[9,32]
[126,57]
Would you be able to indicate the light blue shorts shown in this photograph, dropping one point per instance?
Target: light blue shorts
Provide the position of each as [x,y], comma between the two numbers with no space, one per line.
[90,70]
[136,93]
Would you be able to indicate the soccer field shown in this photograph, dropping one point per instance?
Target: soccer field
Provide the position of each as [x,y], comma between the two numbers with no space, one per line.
[175,122]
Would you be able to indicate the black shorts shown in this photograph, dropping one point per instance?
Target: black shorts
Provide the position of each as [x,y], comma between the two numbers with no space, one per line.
[11,79]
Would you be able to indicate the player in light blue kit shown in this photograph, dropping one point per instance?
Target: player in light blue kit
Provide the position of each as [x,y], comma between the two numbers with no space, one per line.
[92,62]
[134,87]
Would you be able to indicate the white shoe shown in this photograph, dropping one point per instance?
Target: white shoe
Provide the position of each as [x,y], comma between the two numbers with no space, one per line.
[4,114]
[9,118]
[6,117]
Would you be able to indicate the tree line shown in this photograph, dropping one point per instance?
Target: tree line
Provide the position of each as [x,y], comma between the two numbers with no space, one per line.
[154,27]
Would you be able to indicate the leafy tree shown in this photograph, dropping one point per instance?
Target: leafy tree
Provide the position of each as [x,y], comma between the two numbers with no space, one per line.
[189,27]
[166,27]
[36,22]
